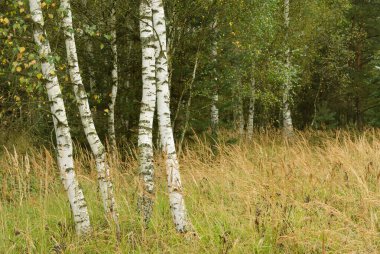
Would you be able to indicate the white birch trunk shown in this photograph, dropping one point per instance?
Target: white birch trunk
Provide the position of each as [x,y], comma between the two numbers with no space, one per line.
[148,104]
[251,113]
[176,198]
[115,79]
[97,148]
[215,96]
[287,115]
[214,113]
[62,130]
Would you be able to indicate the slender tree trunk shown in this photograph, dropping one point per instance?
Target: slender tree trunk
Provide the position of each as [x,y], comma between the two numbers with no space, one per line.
[188,105]
[287,115]
[215,96]
[240,109]
[62,130]
[176,199]
[90,51]
[115,79]
[174,37]
[148,105]
[171,52]
[127,86]
[125,118]
[215,113]
[241,119]
[97,148]
[251,113]
[314,121]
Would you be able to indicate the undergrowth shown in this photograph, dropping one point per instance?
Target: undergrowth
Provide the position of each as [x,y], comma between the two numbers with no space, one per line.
[319,193]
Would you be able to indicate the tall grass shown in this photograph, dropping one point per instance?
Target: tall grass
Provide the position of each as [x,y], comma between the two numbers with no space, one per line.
[317,194]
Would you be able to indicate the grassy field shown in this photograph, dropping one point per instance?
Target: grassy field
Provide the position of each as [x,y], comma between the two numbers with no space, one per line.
[318,194]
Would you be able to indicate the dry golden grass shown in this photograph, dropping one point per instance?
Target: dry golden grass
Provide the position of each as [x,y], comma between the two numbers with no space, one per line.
[318,194]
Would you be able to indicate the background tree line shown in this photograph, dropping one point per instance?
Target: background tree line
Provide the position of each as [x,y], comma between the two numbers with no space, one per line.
[333,47]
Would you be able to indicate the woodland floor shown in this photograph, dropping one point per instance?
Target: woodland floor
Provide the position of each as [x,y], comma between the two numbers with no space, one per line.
[318,194]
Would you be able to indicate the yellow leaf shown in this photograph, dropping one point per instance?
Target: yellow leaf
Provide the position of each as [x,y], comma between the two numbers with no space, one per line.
[51,16]
[5,21]
[20,3]
[106,110]
[43,5]
[52,72]
[39,75]
[17,98]
[22,10]
[18,69]
[21,49]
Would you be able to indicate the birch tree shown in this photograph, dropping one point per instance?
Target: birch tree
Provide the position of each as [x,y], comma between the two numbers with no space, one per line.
[115,78]
[61,127]
[176,199]
[97,148]
[251,113]
[148,105]
[215,95]
[287,116]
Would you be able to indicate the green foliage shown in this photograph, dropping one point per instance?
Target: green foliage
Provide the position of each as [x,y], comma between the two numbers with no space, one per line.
[325,118]
[334,49]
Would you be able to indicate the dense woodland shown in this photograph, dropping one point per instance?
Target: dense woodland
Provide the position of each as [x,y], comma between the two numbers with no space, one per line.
[129,87]
[333,73]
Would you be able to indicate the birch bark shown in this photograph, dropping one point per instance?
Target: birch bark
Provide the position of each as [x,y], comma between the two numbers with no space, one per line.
[62,130]
[287,115]
[115,79]
[97,148]
[251,113]
[176,199]
[148,105]
[215,96]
